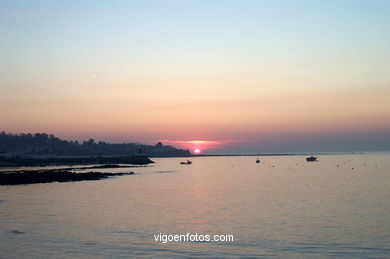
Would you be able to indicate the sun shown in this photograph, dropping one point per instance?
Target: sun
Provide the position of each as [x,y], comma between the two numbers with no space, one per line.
[197,151]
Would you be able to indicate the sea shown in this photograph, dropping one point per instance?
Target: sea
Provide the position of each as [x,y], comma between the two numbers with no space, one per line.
[283,207]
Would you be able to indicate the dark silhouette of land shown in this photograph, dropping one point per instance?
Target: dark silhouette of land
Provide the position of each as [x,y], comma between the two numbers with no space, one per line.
[43,149]
[44,161]
[52,175]
[106,166]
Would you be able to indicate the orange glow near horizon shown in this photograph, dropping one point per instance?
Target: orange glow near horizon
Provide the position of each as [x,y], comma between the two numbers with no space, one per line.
[195,146]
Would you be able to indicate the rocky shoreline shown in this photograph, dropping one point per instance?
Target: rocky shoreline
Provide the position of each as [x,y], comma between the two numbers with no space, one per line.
[51,175]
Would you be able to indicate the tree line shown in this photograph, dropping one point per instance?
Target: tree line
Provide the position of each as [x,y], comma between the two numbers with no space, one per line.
[47,144]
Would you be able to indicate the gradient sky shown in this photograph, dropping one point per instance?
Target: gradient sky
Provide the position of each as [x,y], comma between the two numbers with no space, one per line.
[252,76]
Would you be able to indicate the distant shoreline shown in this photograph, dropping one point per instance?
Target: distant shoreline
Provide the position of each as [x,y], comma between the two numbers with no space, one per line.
[289,154]
[47,160]
[75,160]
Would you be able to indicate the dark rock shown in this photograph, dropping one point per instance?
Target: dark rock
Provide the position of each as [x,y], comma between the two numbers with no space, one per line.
[53,175]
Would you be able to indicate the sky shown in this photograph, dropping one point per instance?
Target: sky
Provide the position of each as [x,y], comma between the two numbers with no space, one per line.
[221,76]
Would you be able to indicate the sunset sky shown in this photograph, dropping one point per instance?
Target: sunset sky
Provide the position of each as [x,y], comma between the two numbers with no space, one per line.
[248,76]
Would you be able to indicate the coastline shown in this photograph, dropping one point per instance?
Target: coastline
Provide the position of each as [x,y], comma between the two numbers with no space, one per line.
[73,160]
[36,161]
[16,177]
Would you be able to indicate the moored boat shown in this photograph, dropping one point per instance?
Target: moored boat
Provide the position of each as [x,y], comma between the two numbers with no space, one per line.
[311,159]
[188,162]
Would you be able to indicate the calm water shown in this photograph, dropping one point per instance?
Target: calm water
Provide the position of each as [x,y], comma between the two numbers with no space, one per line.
[294,209]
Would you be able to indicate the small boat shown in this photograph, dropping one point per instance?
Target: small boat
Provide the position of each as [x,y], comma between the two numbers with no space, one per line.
[188,162]
[311,159]
[257,161]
